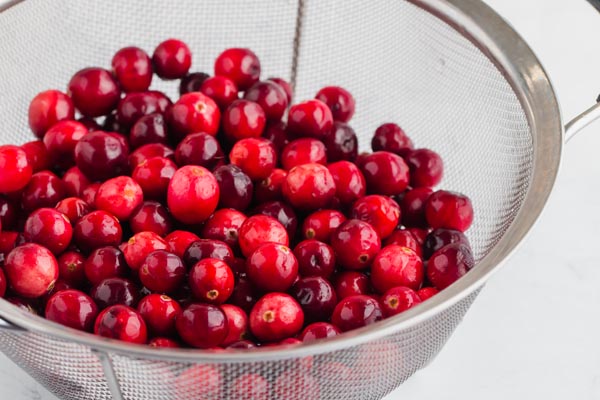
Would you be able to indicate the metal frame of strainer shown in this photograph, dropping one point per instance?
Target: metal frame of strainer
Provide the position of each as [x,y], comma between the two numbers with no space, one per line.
[514,59]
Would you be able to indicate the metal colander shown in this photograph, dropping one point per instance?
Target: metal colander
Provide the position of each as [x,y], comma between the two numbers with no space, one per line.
[452,73]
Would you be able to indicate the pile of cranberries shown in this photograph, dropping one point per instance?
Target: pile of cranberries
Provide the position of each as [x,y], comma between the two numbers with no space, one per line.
[229,218]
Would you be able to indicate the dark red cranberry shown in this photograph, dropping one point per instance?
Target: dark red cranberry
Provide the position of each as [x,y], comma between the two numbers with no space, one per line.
[269,189]
[350,184]
[8,213]
[448,264]
[162,272]
[276,133]
[419,234]
[49,228]
[72,308]
[255,156]
[90,124]
[75,182]
[101,156]
[309,186]
[43,190]
[159,312]
[235,186]
[303,151]
[193,194]
[251,386]
[240,65]
[282,213]
[311,118]
[153,176]
[94,91]
[271,97]
[243,119]
[390,137]
[3,283]
[179,241]
[8,241]
[242,345]
[316,296]
[73,208]
[339,100]
[318,330]
[199,149]
[413,207]
[320,225]
[395,266]
[31,270]
[192,82]
[133,69]
[426,168]
[89,193]
[115,290]
[355,312]
[37,155]
[193,112]
[224,225]
[426,293]
[207,248]
[287,88]
[122,323]
[164,343]
[139,246]
[272,267]
[449,210]
[172,59]
[151,216]
[441,237]
[71,268]
[202,325]
[245,294]
[149,151]
[119,196]
[276,316]
[405,238]
[356,243]
[97,229]
[150,128]
[296,382]
[341,143]
[381,212]
[211,281]
[260,229]
[237,322]
[135,105]
[315,258]
[385,173]
[16,170]
[47,108]
[221,89]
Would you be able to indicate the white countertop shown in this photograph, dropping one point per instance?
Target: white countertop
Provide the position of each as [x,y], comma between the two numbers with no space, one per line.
[527,336]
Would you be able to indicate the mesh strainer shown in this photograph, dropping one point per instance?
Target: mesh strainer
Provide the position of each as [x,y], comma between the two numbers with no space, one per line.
[451,72]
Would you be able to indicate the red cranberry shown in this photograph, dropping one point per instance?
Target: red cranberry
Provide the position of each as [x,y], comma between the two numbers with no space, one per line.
[179,241]
[16,170]
[296,382]
[255,156]
[276,316]
[397,300]
[260,229]
[271,97]
[49,228]
[381,212]
[272,267]
[245,294]
[100,156]
[250,386]
[224,225]
[71,268]
[449,210]
[235,187]
[149,129]
[269,189]
[276,133]
[419,234]
[136,105]
[207,248]
[199,149]
[72,308]
[3,283]
[316,296]
[282,213]
[356,243]
[133,69]
[237,322]
[448,264]
[120,196]
[122,323]
[192,82]
[112,291]
[8,213]
[426,168]
[385,173]
[202,325]
[441,237]
[8,241]
[315,258]
[341,143]
[350,184]
[318,330]
[243,119]
[163,343]
[37,155]
[193,194]
[139,246]
[303,151]
[390,137]
[172,59]
[43,190]
[159,312]
[396,266]
[311,118]
[73,208]
[426,293]
[240,65]
[31,270]
[339,100]
[89,193]
[47,108]
[153,175]
[162,272]
[309,186]
[355,312]
[94,91]
[287,88]
[74,182]
[405,238]
[320,225]
[104,262]
[211,281]
[193,112]
[221,89]
[149,151]
[413,207]
[153,217]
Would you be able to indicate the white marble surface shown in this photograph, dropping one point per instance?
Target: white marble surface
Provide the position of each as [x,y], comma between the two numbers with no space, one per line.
[533,332]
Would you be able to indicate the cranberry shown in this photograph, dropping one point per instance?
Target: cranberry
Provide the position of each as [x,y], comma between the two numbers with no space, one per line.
[441,237]
[153,217]
[398,299]
[120,196]
[49,228]
[237,322]
[179,241]
[16,169]
[149,151]
[311,118]
[250,386]
[224,225]
[123,323]
[8,241]
[72,308]
[211,281]
[303,151]
[449,210]
[381,212]
[235,187]
[89,193]
[163,343]
[162,272]
[133,69]
[73,208]
[390,137]
[94,91]
[172,59]
[71,268]
[426,168]
[104,262]
[159,312]
[315,258]
[43,190]
[276,316]
[37,155]
[272,267]
[260,229]
[318,330]
[419,234]
[271,97]
[350,184]
[3,283]
[340,102]
[320,225]
[153,175]
[386,173]
[243,119]
[100,156]
[309,186]
[199,149]
[207,248]
[316,296]
[139,246]
[221,89]
[149,129]
[193,194]
[341,143]
[193,112]
[405,238]
[356,243]
[255,156]
[74,182]
[355,312]
[296,382]
[282,213]
[269,189]
[245,294]
[31,270]
[116,290]
[287,88]
[426,293]
[413,207]
[240,65]
[8,213]
[192,82]
[448,264]
[242,345]
[276,133]
[47,108]
[136,105]
[396,266]
[202,325]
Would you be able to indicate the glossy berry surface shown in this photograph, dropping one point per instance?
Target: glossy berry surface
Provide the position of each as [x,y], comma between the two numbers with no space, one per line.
[160,313]
[172,59]
[271,97]
[133,69]
[206,248]
[119,196]
[151,128]
[202,325]
[269,189]
[192,82]
[193,194]
[309,186]
[37,155]
[151,216]
[136,105]
[442,237]
[282,212]
[315,258]
[258,230]
[71,268]
[449,210]
[235,186]
[162,272]
[321,224]
[112,291]
[398,299]
[178,241]
[276,316]
[412,205]
[60,141]
[426,168]
[211,281]
[318,330]
[199,149]
[356,243]
[287,88]
[193,112]
[139,246]
[75,182]
[303,151]
[122,323]
[355,312]
[221,89]
[272,267]
[100,156]
[97,229]
[44,189]
[390,137]
[276,133]
[31,269]
[316,296]
[224,225]
[396,266]
[94,91]
[16,169]
[255,156]
[240,65]
[339,100]
[47,108]
[405,238]
[311,118]
[341,143]
[350,184]
[381,212]
[448,264]
[237,323]
[243,119]
[153,176]
[385,173]
[426,293]
[49,228]
[72,308]
[149,151]
[104,262]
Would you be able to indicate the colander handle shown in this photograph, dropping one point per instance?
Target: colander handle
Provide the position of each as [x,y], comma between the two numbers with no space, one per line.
[582,120]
